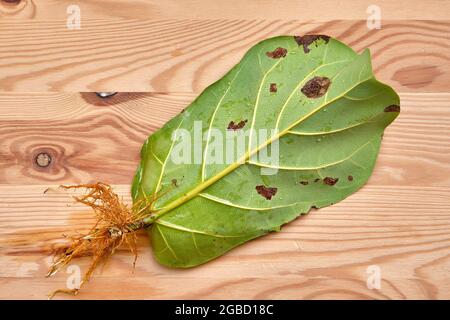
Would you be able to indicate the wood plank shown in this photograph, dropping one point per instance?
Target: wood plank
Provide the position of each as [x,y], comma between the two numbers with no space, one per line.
[232,9]
[173,55]
[399,221]
[92,139]
[403,230]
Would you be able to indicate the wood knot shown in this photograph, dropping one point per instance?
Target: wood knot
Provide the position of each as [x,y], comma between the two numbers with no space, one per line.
[105,99]
[43,159]
[105,95]
[12,2]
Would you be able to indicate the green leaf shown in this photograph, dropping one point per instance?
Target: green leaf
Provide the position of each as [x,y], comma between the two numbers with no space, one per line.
[329,112]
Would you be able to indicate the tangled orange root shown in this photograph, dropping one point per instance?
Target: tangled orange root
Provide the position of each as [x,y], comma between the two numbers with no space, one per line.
[115,226]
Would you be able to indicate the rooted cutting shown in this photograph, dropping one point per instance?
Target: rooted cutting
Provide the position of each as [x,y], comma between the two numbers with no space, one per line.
[321,104]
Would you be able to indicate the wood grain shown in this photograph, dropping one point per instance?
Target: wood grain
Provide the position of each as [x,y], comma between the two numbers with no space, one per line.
[176,55]
[322,255]
[163,53]
[234,9]
[400,221]
[92,142]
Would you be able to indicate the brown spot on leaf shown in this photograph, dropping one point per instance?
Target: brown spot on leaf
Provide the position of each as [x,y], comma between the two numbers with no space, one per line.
[392,108]
[175,182]
[277,53]
[316,87]
[306,40]
[266,192]
[305,183]
[330,181]
[273,87]
[236,126]
[316,180]
[350,178]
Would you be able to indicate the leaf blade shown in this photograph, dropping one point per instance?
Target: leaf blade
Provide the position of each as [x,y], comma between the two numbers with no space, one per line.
[188,230]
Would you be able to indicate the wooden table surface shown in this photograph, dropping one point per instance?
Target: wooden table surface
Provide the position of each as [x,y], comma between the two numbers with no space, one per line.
[160,55]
